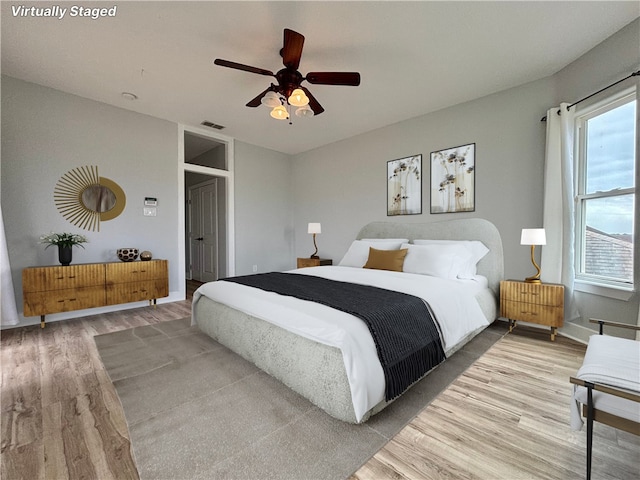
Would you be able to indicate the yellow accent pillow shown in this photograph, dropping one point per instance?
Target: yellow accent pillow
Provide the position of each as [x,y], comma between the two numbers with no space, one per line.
[386,259]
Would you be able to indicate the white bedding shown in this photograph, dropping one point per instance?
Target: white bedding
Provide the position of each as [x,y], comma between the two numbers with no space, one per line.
[452,301]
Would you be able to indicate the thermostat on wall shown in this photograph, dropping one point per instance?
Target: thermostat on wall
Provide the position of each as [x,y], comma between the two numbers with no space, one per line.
[150,202]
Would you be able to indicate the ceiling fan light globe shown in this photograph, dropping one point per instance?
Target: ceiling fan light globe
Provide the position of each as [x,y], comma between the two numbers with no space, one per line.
[305,112]
[271,99]
[279,113]
[298,98]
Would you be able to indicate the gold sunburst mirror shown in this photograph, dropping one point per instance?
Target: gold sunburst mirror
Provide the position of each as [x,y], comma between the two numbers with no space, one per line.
[85,199]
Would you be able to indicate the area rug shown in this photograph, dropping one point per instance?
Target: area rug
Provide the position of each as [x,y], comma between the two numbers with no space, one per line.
[196,410]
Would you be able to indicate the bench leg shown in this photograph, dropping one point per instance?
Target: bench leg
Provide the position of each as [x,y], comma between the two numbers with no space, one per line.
[589,430]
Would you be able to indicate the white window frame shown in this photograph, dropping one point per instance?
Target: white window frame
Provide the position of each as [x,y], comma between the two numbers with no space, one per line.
[588,282]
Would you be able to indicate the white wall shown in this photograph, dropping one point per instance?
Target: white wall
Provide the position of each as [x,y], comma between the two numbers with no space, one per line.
[264,210]
[46,133]
[343,185]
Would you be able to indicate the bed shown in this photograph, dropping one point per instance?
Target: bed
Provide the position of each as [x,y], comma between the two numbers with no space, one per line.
[328,356]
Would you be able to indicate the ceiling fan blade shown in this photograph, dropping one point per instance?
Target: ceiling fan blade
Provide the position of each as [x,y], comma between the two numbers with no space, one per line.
[292,49]
[334,78]
[239,66]
[313,103]
[256,102]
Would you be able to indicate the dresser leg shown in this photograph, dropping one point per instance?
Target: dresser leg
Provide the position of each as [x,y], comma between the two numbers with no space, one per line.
[512,325]
[41,321]
[553,334]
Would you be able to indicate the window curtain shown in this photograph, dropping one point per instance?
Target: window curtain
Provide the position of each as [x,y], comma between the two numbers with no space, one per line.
[9,313]
[557,259]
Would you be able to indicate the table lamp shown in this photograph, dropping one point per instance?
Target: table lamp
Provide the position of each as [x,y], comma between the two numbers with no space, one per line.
[313,229]
[533,237]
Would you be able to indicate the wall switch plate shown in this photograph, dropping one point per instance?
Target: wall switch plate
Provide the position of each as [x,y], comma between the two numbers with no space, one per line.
[255,268]
[150,211]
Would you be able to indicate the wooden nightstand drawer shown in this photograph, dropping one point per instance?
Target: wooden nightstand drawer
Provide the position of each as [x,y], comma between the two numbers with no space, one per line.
[538,293]
[530,312]
[313,262]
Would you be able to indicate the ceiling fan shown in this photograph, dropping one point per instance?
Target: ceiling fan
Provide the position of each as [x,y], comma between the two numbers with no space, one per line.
[288,90]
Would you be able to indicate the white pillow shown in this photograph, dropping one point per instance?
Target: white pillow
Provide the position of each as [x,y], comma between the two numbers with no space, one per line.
[358,252]
[476,248]
[444,261]
[375,240]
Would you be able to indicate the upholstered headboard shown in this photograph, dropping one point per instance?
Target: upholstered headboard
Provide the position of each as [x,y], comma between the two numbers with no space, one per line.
[491,266]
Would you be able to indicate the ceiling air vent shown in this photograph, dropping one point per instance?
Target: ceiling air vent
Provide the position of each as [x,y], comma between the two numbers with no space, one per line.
[209,124]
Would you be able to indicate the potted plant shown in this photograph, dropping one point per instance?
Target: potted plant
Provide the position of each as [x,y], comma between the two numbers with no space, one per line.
[65,243]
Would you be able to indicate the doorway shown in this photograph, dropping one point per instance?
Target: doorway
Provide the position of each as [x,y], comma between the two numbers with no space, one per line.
[207,192]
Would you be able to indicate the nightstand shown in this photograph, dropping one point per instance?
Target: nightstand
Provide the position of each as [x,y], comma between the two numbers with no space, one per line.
[541,303]
[313,262]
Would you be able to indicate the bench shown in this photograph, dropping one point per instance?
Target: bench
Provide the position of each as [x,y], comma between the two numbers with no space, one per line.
[607,386]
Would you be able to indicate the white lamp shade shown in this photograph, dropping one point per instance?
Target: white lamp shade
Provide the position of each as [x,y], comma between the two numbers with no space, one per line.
[271,99]
[533,236]
[304,112]
[314,228]
[280,113]
[298,98]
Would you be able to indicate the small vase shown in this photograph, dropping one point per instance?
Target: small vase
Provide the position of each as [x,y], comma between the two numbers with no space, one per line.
[64,254]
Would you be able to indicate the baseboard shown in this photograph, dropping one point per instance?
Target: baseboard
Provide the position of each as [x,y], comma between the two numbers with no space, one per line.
[576,332]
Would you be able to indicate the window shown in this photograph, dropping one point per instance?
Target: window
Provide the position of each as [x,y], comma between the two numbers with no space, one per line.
[606,136]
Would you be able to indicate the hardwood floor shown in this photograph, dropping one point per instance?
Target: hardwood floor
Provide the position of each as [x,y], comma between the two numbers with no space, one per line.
[61,417]
[505,419]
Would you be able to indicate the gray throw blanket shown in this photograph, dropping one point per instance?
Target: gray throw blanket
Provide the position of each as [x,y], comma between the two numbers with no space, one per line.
[405,334]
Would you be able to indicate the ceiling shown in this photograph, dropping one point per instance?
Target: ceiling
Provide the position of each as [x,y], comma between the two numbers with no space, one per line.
[413,57]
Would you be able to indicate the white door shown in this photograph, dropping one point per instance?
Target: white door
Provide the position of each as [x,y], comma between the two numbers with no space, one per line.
[203,235]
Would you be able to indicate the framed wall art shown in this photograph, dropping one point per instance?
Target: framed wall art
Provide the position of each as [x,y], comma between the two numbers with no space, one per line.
[404,186]
[453,179]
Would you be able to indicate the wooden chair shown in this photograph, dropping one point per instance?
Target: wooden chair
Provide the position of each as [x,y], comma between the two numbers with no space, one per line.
[613,405]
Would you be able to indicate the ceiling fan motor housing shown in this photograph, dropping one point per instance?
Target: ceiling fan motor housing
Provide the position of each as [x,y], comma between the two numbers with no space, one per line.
[288,81]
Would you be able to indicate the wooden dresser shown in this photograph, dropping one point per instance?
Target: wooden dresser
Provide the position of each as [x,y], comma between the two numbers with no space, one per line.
[541,303]
[56,289]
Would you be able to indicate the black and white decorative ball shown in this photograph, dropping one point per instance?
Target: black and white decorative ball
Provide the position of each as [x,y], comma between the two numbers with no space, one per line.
[127,254]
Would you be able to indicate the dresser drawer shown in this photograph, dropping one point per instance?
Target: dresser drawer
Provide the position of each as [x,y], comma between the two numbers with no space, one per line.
[540,294]
[64,300]
[135,271]
[40,279]
[137,291]
[530,312]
